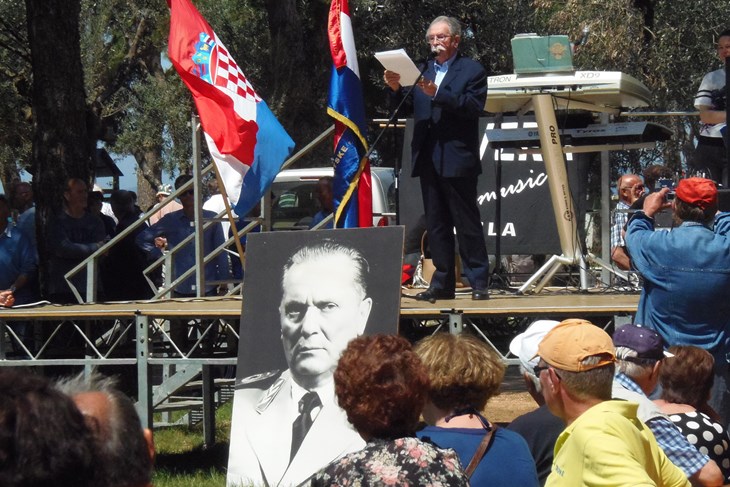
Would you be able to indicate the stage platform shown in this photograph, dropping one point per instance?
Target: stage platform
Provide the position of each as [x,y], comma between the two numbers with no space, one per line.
[556,303]
[136,334]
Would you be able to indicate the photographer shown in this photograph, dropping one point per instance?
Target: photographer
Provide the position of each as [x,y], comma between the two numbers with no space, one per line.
[686,274]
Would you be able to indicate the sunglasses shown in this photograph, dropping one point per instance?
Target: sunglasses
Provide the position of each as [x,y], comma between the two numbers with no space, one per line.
[539,368]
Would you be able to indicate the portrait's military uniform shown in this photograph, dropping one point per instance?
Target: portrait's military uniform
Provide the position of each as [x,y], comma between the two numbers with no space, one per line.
[261,434]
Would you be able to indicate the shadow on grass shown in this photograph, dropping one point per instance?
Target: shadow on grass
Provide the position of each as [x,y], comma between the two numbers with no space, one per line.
[194,460]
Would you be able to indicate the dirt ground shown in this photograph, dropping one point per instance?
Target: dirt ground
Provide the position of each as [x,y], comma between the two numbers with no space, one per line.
[513,401]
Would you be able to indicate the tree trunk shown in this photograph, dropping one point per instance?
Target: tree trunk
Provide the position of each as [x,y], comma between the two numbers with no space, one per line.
[149,177]
[299,50]
[61,144]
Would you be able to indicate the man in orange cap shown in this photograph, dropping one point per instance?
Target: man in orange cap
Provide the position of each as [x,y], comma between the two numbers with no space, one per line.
[604,443]
[686,275]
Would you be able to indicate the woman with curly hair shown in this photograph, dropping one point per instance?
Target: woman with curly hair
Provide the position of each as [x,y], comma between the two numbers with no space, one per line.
[464,374]
[686,381]
[381,384]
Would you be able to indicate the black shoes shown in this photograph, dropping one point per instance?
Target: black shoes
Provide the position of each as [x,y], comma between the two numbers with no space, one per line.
[479,295]
[431,295]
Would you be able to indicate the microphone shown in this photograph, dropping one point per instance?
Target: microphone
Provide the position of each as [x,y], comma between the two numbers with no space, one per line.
[584,39]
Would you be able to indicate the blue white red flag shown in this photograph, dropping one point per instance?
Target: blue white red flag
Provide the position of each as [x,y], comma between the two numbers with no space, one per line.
[352,185]
[245,140]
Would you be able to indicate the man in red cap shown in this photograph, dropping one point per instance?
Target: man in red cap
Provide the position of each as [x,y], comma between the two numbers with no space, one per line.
[686,271]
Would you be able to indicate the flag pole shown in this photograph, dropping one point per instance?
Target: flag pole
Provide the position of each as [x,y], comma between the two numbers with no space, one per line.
[229,213]
[224,195]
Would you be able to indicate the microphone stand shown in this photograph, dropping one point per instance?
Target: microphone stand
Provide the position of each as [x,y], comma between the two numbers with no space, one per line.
[391,119]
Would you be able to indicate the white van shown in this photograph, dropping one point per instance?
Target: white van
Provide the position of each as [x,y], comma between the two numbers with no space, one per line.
[295,200]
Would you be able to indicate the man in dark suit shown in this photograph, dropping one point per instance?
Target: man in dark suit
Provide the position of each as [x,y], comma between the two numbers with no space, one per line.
[445,153]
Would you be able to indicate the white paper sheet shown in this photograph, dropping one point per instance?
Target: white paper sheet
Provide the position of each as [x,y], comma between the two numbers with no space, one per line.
[398,61]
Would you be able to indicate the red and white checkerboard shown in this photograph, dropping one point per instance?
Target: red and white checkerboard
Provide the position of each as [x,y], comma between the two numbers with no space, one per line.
[229,76]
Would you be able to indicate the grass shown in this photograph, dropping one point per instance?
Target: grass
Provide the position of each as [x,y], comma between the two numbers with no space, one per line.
[183,460]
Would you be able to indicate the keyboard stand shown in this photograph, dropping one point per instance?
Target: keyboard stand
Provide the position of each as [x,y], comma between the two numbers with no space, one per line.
[562,202]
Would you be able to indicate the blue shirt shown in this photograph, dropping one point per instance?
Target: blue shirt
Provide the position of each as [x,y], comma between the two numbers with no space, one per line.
[441,70]
[676,447]
[71,240]
[540,429]
[508,462]
[319,216]
[686,275]
[26,224]
[176,227]
[16,258]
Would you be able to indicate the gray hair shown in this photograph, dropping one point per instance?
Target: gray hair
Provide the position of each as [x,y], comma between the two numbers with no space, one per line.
[328,248]
[122,445]
[594,383]
[454,25]
[635,367]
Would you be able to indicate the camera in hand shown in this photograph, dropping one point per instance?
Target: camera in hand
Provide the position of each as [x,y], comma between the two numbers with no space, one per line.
[666,183]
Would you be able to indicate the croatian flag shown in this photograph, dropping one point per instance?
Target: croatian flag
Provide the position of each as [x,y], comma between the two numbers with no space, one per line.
[352,185]
[245,140]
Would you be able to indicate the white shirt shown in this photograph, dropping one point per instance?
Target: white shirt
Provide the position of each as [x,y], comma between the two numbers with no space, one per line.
[712,82]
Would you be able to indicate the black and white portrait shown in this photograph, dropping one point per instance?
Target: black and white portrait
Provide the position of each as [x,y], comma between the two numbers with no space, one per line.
[306,295]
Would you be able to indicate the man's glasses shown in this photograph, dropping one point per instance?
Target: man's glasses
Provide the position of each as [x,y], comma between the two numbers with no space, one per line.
[189,192]
[638,186]
[438,37]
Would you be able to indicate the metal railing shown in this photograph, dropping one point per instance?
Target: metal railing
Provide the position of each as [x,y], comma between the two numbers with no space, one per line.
[91,264]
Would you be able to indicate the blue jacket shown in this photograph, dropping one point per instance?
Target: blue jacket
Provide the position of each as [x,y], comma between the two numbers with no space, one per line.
[446,128]
[176,227]
[686,295]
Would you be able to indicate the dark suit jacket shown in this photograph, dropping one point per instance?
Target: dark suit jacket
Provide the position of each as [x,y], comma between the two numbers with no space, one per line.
[446,131]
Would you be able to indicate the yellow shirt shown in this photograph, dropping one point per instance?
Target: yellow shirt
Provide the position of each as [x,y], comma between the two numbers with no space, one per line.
[608,446]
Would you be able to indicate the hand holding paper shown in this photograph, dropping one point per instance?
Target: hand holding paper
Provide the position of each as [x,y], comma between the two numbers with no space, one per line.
[398,61]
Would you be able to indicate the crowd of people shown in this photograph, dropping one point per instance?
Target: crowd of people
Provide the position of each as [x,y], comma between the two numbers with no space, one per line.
[596,424]
[420,411]
[85,223]
[646,406]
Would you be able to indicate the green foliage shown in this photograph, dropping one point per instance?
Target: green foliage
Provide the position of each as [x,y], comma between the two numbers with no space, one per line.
[139,105]
[382,25]
[15,85]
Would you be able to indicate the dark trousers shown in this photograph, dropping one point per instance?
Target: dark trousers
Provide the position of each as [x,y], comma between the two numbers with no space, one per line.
[452,203]
[710,159]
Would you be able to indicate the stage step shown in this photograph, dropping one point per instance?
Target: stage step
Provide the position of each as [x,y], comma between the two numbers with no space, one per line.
[179,404]
[223,394]
[224,389]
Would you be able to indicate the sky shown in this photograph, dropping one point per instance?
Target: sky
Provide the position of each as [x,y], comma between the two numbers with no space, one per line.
[126,164]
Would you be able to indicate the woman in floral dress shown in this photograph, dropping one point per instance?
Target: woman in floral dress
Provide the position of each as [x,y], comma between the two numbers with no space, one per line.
[382,385]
